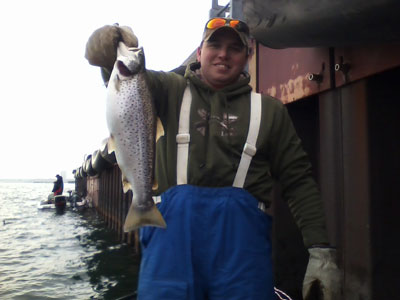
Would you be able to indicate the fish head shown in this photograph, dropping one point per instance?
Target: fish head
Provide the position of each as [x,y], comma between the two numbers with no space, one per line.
[130,61]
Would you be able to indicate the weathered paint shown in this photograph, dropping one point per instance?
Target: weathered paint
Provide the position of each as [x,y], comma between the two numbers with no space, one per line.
[354,63]
[284,73]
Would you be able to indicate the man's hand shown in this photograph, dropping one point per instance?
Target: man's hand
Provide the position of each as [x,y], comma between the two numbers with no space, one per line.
[322,272]
[101,48]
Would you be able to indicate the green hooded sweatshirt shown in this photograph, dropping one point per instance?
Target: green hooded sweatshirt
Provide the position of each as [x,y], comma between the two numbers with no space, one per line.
[219,121]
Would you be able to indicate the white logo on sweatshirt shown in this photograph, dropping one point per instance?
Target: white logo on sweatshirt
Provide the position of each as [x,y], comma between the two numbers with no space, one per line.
[226,124]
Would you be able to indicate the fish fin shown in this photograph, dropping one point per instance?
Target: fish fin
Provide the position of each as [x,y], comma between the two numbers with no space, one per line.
[111,145]
[155,185]
[160,130]
[137,218]
[125,184]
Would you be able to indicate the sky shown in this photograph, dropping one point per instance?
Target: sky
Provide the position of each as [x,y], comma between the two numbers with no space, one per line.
[52,102]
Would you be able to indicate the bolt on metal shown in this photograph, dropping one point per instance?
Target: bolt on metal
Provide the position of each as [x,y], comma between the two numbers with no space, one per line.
[342,67]
[315,77]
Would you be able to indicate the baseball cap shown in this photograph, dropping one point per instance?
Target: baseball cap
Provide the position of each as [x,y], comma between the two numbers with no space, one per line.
[238,26]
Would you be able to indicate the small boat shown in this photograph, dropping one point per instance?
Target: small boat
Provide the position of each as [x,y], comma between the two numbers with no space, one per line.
[58,202]
[76,201]
[45,204]
[80,205]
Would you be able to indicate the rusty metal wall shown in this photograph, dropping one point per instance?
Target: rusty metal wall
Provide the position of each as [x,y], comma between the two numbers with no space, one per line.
[105,190]
[348,122]
[359,165]
[384,153]
[285,73]
[81,186]
[355,63]
[92,186]
[345,183]
[296,73]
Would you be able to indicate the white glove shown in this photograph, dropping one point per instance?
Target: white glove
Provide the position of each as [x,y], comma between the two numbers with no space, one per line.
[323,272]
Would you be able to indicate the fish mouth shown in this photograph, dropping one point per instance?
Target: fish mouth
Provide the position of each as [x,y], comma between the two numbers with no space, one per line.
[123,70]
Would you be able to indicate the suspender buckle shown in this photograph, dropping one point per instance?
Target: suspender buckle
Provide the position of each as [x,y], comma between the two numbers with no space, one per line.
[157,199]
[262,207]
[249,149]
[183,138]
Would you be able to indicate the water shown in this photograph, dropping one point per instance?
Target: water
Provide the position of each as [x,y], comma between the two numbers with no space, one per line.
[45,255]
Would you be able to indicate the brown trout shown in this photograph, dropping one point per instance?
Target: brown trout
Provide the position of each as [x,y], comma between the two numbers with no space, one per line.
[131,120]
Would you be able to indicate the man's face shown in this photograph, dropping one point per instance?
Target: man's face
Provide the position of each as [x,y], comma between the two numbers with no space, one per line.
[223,57]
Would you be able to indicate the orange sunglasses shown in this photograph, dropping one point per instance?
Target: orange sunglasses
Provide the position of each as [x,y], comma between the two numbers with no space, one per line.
[220,22]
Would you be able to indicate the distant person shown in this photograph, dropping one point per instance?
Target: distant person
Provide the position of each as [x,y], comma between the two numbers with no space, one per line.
[58,185]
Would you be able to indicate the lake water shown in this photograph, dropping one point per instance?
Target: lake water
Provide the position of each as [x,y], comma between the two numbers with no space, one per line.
[72,255]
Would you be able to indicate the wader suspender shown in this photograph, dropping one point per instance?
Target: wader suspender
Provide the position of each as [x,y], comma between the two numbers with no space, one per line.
[183,139]
[249,149]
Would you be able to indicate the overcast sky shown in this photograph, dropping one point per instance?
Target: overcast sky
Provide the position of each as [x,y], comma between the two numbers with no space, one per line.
[52,107]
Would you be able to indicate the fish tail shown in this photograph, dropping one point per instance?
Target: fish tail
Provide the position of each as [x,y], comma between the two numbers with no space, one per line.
[137,218]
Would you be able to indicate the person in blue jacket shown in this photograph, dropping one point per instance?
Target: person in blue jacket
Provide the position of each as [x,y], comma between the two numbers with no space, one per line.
[58,186]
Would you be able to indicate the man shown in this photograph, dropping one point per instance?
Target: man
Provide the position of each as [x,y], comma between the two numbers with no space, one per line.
[220,149]
[58,186]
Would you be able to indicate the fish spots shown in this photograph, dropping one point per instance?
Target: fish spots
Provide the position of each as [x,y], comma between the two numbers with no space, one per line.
[133,117]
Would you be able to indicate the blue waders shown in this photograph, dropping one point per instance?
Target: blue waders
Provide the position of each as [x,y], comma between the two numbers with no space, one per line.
[216,245]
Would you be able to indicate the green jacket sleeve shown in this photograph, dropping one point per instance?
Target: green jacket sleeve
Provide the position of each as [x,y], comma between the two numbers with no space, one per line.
[165,86]
[291,166]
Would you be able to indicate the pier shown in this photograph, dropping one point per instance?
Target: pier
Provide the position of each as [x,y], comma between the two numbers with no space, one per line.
[104,189]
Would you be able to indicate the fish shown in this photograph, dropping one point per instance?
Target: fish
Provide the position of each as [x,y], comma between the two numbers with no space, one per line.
[132,123]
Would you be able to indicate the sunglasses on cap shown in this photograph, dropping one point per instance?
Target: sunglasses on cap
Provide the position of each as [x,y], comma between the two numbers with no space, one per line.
[221,22]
